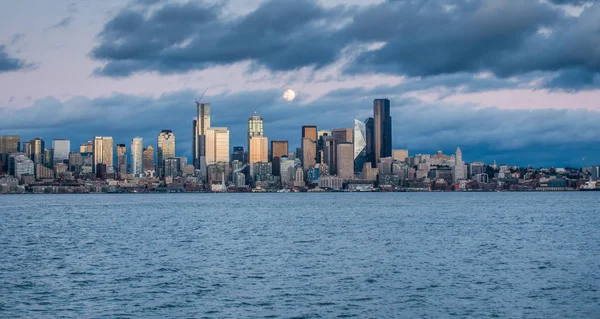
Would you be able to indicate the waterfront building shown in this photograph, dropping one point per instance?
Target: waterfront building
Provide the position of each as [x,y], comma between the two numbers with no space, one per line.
[286,169]
[137,149]
[217,145]
[299,180]
[165,148]
[43,172]
[345,160]
[240,179]
[19,164]
[382,129]
[262,172]
[62,148]
[332,182]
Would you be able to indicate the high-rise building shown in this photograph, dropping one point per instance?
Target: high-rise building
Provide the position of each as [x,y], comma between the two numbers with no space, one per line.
[238,154]
[62,148]
[329,152]
[370,138]
[8,144]
[359,142]
[49,158]
[400,155]
[287,170]
[345,160]
[342,135]
[382,128]
[217,145]
[309,153]
[37,150]
[255,128]
[122,160]
[165,149]
[75,162]
[148,161]
[259,149]
[202,124]
[137,149]
[103,152]
[459,166]
[309,131]
[86,147]
[278,149]
[194,140]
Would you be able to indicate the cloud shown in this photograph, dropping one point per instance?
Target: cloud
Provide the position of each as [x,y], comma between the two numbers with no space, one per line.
[537,137]
[418,38]
[280,35]
[17,37]
[62,23]
[8,63]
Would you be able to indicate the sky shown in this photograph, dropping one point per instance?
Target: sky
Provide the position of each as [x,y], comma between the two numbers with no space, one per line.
[507,80]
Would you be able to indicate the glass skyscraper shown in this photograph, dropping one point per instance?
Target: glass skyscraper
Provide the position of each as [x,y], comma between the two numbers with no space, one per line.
[137,149]
[62,148]
[359,142]
[382,129]
[165,149]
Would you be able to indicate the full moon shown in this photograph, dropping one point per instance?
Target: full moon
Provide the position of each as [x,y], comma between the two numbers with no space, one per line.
[289,95]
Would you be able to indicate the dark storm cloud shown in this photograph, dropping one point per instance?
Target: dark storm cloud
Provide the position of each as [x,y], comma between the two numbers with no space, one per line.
[181,37]
[537,137]
[8,63]
[420,38]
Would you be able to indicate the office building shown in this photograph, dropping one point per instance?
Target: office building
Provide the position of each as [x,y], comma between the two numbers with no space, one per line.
[202,125]
[287,170]
[75,162]
[476,168]
[8,144]
[278,149]
[400,155]
[62,148]
[148,161]
[19,164]
[103,152]
[459,170]
[359,142]
[370,139]
[262,171]
[87,147]
[309,153]
[345,160]
[121,160]
[342,135]
[137,149]
[238,154]
[165,149]
[217,145]
[255,128]
[382,128]
[258,149]
[49,158]
[310,131]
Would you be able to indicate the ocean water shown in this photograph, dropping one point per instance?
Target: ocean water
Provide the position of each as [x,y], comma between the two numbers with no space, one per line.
[331,255]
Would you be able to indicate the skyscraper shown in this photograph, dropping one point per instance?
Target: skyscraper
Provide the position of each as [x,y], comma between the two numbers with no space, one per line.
[62,148]
[345,160]
[382,128]
[103,152]
[165,149]
[255,128]
[148,160]
[8,144]
[49,158]
[309,153]
[259,149]
[359,142]
[238,154]
[309,146]
[37,150]
[194,141]
[137,149]
[202,124]
[459,166]
[278,150]
[217,145]
[121,160]
[370,138]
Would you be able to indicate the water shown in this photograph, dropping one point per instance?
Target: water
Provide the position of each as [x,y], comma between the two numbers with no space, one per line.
[380,255]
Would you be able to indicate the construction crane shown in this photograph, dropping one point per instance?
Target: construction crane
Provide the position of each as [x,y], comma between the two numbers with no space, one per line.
[198,100]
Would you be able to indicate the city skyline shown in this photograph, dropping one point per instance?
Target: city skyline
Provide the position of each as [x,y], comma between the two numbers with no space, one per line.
[526,92]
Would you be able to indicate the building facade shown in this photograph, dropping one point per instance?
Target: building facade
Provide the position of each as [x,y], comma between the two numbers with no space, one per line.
[137,149]
[165,148]
[217,145]
[382,128]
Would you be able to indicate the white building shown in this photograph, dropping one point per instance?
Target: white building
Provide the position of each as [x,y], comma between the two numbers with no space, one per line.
[137,150]
[217,145]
